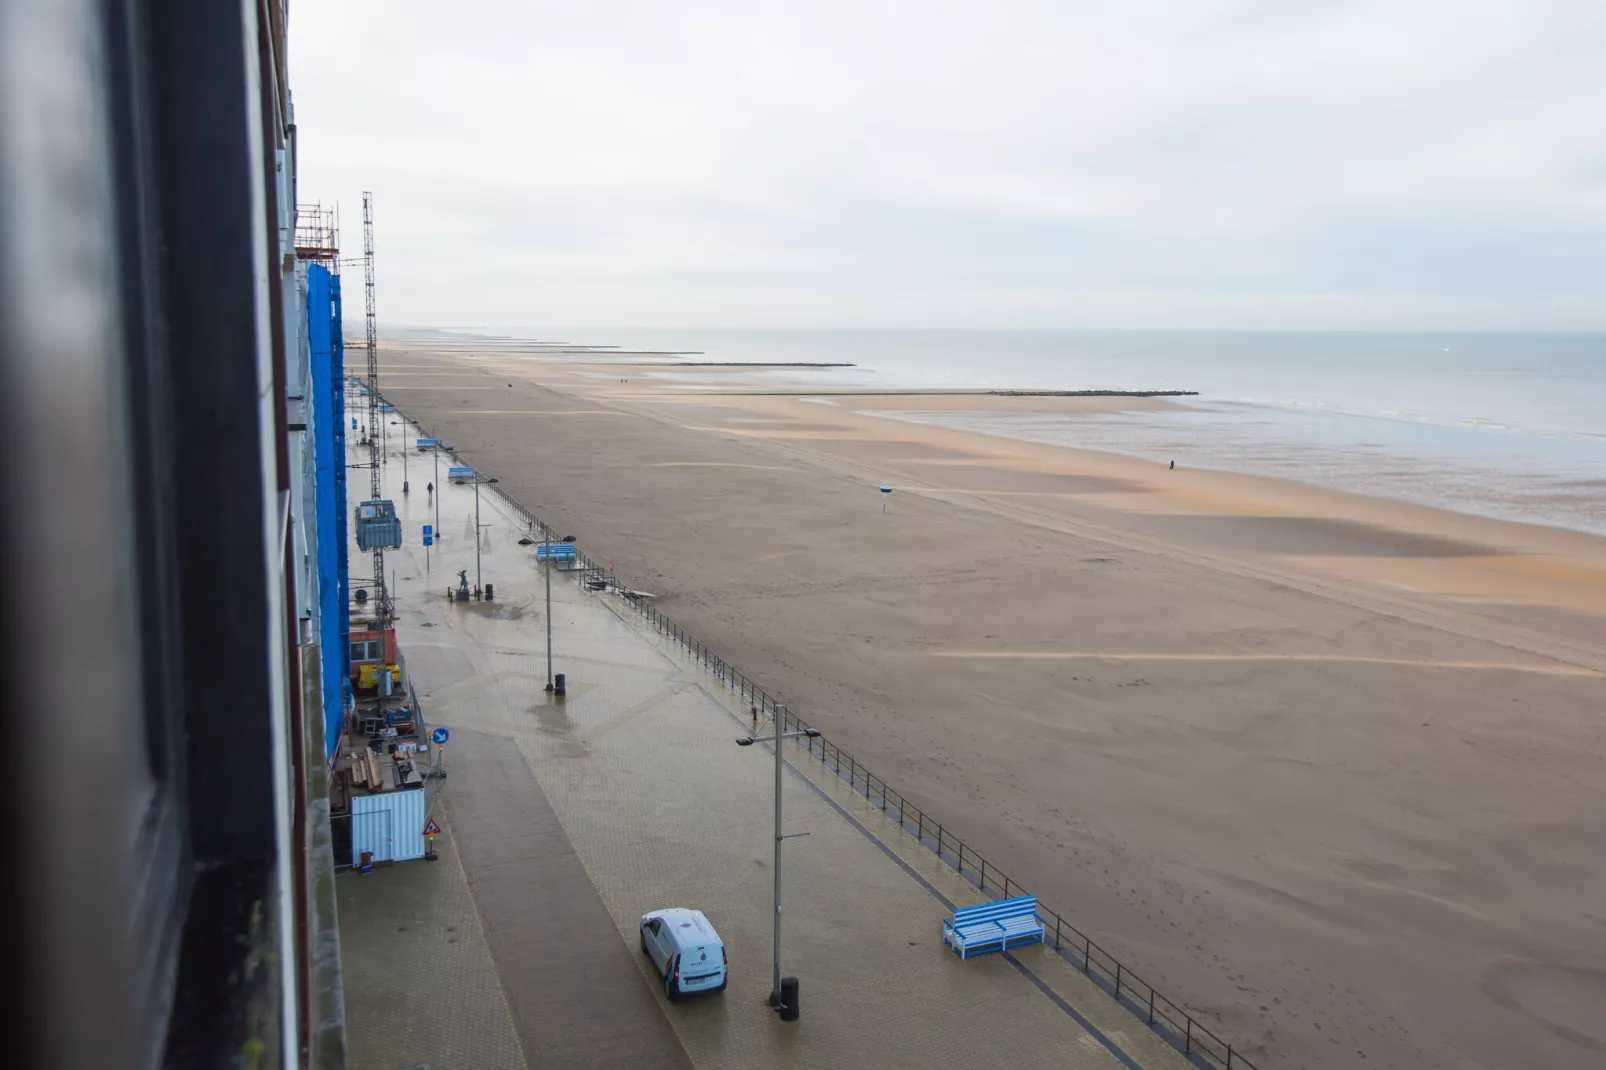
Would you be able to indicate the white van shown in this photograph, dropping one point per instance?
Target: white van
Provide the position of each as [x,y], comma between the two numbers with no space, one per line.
[687,951]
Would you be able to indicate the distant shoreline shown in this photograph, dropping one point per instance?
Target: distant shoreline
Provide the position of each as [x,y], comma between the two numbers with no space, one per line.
[1093,393]
[758,364]
[934,392]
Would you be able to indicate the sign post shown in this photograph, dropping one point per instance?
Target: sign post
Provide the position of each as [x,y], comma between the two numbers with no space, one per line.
[886,492]
[437,767]
[431,830]
[429,540]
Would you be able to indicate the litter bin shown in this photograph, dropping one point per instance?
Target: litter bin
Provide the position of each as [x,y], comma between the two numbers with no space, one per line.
[789,1007]
[560,686]
[489,588]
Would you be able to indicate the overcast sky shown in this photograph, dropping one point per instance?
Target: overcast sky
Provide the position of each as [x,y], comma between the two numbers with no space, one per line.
[815,163]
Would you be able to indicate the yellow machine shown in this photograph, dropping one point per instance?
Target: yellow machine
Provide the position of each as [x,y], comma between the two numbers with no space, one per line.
[368,674]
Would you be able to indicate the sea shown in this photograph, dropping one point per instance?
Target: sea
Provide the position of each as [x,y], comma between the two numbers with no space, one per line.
[1511,426]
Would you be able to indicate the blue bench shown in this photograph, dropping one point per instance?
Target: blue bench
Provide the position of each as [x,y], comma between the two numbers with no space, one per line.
[993,926]
[557,551]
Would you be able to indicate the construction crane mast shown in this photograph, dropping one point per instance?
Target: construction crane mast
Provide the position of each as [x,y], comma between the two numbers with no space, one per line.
[381,600]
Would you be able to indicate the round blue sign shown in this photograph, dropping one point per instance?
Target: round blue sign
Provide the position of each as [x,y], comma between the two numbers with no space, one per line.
[439,736]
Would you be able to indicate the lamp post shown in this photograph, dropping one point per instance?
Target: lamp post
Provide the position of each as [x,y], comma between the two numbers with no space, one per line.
[546,552]
[436,451]
[775,742]
[478,586]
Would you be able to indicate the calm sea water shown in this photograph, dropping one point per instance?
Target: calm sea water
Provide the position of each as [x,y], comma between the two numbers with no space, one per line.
[1504,425]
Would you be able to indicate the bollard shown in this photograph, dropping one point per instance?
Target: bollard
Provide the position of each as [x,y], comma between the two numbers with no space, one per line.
[560,686]
[789,1007]
[489,587]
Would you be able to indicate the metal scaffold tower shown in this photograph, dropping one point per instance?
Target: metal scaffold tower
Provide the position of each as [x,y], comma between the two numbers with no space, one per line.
[378,528]
[317,236]
[373,339]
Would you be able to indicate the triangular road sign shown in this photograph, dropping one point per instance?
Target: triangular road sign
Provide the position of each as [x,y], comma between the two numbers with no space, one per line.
[431,829]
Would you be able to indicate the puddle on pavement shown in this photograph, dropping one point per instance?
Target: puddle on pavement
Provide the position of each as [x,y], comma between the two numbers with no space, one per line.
[552,714]
[493,610]
[553,718]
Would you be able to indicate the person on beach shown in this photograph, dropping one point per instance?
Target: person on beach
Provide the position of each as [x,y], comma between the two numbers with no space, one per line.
[1173,466]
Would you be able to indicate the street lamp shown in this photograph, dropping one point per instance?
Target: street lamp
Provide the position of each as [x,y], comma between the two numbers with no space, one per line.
[404,459]
[478,479]
[436,450]
[775,742]
[546,552]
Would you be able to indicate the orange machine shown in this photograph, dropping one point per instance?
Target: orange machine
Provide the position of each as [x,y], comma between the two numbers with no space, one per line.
[373,652]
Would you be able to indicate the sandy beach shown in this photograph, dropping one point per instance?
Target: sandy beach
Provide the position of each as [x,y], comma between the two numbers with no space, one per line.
[1330,770]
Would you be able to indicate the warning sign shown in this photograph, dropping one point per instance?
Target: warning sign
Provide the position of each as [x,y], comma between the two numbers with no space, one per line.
[431,829]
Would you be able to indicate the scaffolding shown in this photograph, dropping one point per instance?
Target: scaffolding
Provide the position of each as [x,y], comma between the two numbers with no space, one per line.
[317,235]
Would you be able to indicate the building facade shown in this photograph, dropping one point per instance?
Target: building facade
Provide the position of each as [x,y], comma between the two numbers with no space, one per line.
[173,545]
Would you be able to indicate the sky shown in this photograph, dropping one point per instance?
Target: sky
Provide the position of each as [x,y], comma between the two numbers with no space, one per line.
[1274,164]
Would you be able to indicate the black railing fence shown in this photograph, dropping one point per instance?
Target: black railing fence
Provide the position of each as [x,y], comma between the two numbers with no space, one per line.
[1165,1016]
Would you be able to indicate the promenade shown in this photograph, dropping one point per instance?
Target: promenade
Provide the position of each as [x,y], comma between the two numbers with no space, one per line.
[565,820]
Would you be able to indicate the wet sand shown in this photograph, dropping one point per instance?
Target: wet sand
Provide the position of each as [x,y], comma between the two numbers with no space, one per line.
[1330,770]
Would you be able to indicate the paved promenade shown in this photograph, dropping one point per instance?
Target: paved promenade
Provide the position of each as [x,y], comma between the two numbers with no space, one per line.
[566,820]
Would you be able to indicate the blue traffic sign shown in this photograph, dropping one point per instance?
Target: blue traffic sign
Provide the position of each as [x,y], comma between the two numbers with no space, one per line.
[439,736]
[429,540]
[429,529]
[426,443]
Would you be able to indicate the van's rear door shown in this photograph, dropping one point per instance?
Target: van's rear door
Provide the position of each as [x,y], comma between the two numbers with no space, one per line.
[700,960]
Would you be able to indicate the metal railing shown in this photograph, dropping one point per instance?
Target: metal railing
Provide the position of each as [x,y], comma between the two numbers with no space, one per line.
[1166,1017]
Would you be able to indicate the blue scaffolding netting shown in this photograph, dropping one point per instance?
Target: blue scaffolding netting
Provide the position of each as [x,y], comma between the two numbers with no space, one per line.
[329,458]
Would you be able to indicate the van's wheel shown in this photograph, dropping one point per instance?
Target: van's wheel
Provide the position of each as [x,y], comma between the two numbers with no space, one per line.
[669,989]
